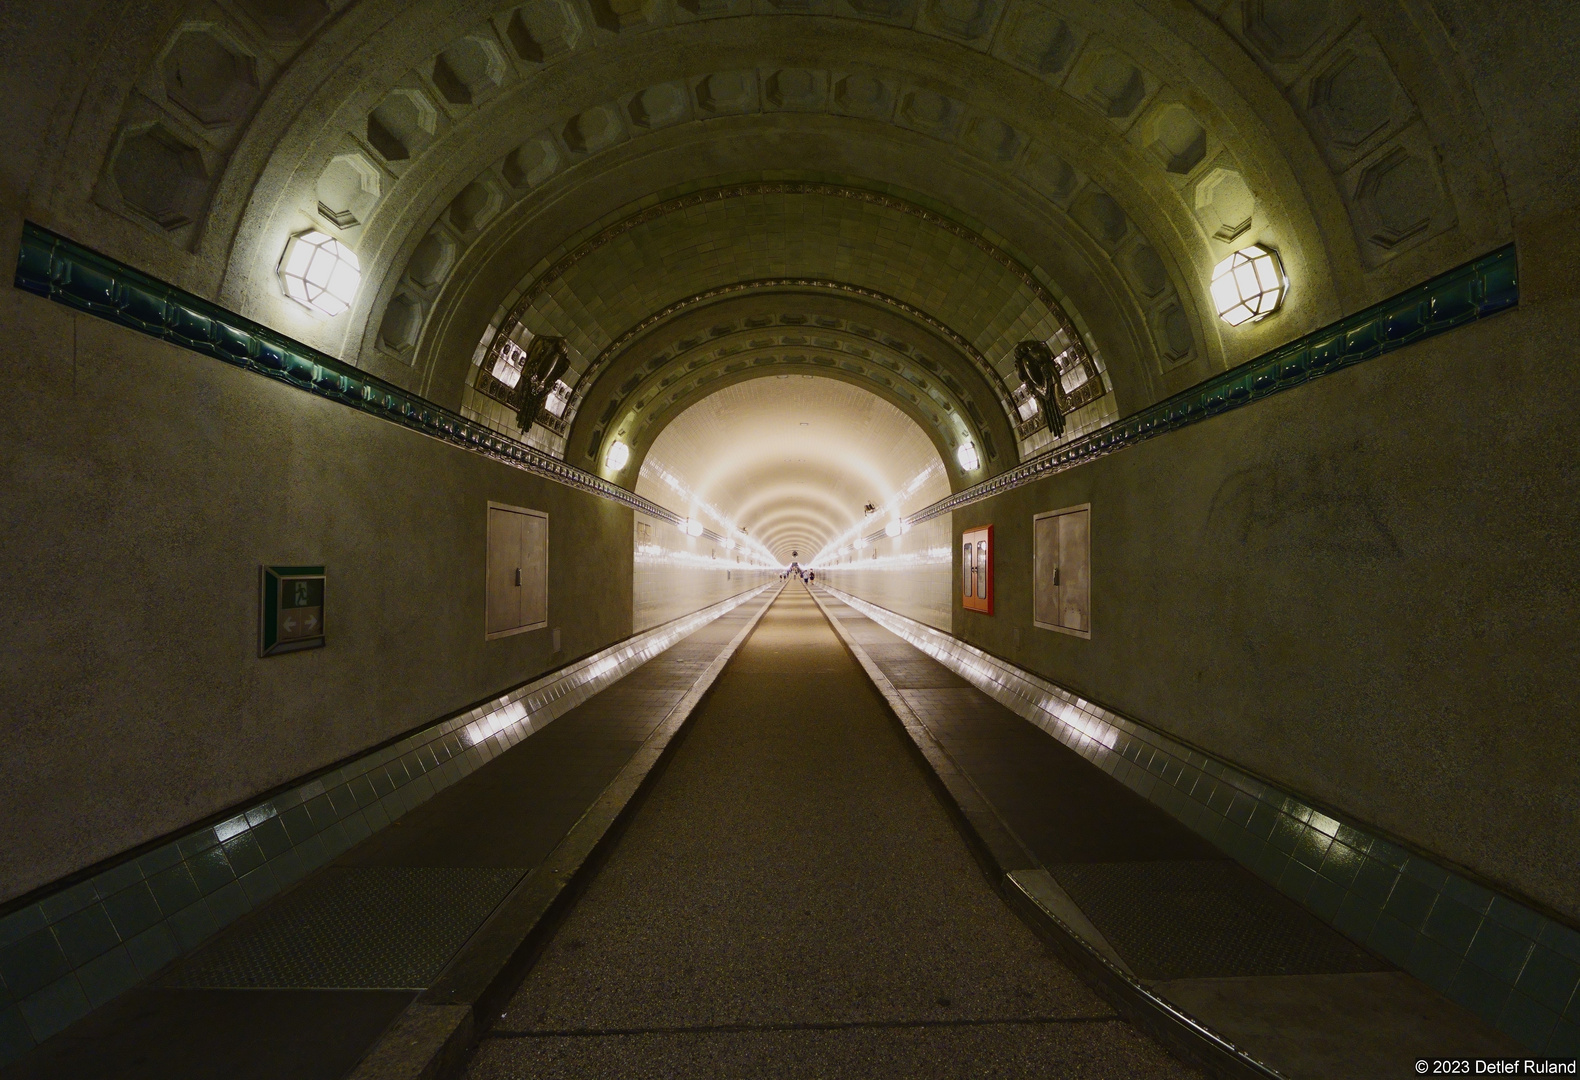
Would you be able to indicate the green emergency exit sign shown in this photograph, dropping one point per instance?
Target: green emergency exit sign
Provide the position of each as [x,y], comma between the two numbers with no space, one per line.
[292,608]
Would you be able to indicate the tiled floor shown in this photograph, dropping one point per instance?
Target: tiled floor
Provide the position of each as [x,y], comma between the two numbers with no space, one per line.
[303,986]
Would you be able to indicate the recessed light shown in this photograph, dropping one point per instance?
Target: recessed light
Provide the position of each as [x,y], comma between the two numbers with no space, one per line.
[319,272]
[1249,285]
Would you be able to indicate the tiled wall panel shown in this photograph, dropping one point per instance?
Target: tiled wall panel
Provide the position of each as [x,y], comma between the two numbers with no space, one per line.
[675,574]
[910,573]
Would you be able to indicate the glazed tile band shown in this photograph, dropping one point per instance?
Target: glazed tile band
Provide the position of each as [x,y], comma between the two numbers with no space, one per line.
[63,271]
[70,274]
[1480,288]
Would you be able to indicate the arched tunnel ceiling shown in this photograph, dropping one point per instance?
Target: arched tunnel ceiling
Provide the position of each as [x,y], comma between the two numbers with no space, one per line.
[618,172]
[794,459]
[844,336]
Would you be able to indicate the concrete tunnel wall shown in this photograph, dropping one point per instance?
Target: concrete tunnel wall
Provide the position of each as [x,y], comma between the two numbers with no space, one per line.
[1362,590]
[144,485]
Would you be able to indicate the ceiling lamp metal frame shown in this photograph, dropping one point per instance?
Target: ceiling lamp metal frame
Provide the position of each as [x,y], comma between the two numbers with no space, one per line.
[1249,285]
[967,456]
[320,273]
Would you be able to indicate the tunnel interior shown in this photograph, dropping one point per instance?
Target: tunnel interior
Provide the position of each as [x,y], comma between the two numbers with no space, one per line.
[601,454]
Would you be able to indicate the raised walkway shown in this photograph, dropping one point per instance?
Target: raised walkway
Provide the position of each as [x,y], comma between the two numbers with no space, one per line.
[331,975]
[792,899]
[782,847]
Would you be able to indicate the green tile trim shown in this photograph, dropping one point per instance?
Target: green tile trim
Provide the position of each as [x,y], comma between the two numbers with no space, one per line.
[1484,287]
[71,949]
[58,269]
[1511,965]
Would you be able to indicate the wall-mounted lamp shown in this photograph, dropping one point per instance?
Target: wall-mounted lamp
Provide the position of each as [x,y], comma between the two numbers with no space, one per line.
[616,456]
[1248,285]
[893,528]
[967,456]
[693,527]
[320,273]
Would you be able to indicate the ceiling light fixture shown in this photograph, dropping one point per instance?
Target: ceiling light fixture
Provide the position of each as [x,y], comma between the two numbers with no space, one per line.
[967,456]
[1249,285]
[893,528]
[693,527]
[320,273]
[616,457]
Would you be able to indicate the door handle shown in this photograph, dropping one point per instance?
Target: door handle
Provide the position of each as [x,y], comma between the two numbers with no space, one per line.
[1055,576]
[518,576]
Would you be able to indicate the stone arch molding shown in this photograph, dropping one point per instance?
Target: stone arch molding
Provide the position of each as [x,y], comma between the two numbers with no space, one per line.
[974,299]
[785,327]
[565,149]
[1189,166]
[535,291]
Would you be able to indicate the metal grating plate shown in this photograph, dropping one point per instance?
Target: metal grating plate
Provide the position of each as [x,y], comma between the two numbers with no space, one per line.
[908,668]
[353,928]
[1182,919]
[863,631]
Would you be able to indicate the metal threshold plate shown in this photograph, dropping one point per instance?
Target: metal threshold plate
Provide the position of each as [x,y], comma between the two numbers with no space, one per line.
[1200,918]
[353,928]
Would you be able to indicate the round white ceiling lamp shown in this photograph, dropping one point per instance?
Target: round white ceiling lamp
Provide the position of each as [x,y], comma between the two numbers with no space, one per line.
[616,456]
[967,456]
[693,527]
[320,273]
[893,528]
[1249,285]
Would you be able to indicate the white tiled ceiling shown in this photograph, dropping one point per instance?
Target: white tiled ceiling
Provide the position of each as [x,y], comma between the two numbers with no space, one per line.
[793,459]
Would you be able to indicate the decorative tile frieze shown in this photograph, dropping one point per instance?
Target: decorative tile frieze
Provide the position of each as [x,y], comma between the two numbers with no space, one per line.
[54,267]
[1484,287]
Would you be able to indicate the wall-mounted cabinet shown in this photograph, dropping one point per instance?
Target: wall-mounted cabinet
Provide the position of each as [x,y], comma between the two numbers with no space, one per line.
[518,570]
[1062,570]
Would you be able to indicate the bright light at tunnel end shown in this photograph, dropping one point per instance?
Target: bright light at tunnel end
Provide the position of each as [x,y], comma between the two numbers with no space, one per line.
[616,456]
[320,273]
[967,456]
[1249,285]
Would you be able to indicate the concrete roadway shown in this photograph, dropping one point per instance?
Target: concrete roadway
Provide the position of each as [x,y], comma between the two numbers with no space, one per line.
[793,900]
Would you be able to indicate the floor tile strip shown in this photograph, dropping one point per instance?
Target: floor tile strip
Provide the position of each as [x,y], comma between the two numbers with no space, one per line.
[806,1025]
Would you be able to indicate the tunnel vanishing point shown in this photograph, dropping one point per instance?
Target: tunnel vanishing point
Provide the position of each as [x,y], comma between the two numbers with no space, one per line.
[863,538]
